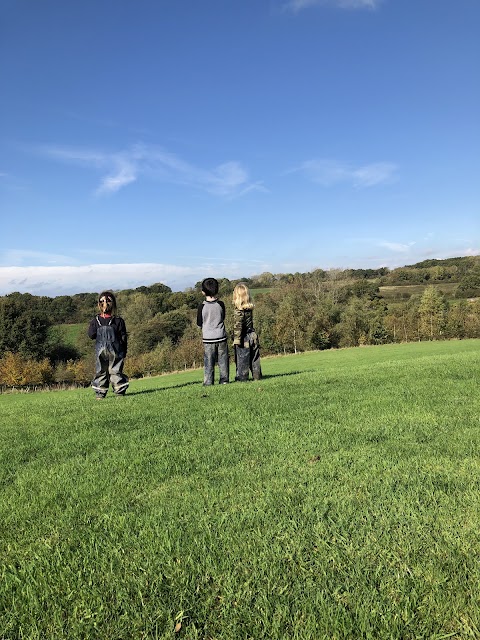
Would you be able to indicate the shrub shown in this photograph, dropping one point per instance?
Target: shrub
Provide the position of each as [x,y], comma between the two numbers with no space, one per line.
[17,370]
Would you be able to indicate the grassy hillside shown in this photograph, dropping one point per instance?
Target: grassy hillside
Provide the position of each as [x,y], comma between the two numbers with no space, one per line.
[337,498]
[261,290]
[70,332]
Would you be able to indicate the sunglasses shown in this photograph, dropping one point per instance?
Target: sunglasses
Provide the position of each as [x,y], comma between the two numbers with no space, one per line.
[105,300]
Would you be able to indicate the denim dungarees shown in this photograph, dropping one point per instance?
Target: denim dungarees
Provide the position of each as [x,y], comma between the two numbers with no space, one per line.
[109,361]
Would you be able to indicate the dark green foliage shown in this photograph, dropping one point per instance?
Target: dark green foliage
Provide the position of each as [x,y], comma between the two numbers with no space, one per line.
[146,336]
[61,308]
[57,349]
[178,300]
[85,303]
[469,286]
[154,288]
[23,326]
[360,289]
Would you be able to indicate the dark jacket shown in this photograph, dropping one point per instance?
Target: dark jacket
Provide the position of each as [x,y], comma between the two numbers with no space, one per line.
[118,325]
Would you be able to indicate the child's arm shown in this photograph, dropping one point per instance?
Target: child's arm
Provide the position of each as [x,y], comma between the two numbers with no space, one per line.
[92,329]
[200,315]
[237,326]
[222,307]
[122,329]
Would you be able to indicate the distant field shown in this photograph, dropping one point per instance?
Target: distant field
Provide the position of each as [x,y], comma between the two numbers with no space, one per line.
[255,292]
[401,292]
[339,498]
[70,332]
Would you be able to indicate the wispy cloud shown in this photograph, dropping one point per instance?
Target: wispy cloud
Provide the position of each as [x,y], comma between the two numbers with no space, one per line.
[397,247]
[330,172]
[19,257]
[298,5]
[229,179]
[123,174]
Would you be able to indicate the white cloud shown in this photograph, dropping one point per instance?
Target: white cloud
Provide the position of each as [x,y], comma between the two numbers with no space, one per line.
[298,5]
[68,280]
[331,172]
[228,179]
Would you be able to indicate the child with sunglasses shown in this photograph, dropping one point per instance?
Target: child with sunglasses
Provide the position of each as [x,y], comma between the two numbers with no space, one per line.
[110,335]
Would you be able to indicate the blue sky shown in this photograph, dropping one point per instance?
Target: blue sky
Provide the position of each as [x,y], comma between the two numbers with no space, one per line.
[168,140]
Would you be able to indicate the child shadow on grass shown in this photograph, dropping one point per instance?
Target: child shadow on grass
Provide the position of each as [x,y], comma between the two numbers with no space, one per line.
[199,382]
[174,386]
[283,375]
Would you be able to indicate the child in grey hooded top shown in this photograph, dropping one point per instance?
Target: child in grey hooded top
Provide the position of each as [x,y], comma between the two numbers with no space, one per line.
[211,319]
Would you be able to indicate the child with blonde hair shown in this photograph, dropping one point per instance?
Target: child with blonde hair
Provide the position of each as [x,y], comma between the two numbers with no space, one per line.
[245,339]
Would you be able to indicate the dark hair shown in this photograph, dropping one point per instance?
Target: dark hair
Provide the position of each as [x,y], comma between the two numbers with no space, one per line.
[111,295]
[210,287]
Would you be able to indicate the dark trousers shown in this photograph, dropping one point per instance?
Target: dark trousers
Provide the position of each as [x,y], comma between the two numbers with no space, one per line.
[212,354]
[109,369]
[248,358]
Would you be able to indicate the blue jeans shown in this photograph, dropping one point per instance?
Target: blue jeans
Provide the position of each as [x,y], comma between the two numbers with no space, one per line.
[215,353]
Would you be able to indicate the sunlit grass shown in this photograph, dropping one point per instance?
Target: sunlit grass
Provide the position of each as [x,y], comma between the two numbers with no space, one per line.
[337,498]
[69,332]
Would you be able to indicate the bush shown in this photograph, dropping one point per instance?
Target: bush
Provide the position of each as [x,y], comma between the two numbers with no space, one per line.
[19,371]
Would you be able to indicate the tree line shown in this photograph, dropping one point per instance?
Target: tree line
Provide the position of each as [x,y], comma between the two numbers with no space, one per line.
[293,312]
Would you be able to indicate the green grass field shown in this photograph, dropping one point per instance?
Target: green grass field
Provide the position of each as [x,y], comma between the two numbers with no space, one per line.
[255,292]
[70,332]
[337,498]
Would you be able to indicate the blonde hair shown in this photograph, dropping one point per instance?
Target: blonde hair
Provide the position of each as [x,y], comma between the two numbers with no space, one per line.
[241,297]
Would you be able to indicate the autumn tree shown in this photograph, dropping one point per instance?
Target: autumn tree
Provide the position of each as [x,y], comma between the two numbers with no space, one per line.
[17,370]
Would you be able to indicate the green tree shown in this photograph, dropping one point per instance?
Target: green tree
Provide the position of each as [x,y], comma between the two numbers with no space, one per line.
[354,326]
[288,329]
[432,314]
[264,321]
[264,280]
[321,328]
[63,310]
[469,286]
[137,311]
[473,319]
[456,321]
[23,329]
